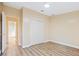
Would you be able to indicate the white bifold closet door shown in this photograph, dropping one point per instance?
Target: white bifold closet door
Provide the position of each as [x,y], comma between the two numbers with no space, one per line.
[36,32]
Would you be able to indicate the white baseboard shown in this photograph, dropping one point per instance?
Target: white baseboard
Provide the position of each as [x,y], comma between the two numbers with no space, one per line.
[66,44]
[40,42]
[35,44]
[26,46]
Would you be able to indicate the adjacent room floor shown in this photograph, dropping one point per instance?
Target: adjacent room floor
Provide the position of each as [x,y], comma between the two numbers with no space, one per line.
[43,49]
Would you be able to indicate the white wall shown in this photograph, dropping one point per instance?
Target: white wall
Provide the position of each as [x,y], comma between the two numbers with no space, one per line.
[35,28]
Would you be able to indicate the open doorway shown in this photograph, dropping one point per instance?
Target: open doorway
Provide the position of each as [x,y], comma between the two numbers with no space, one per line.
[12,34]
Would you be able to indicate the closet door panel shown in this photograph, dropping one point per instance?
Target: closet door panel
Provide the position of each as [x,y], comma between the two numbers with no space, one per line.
[36,32]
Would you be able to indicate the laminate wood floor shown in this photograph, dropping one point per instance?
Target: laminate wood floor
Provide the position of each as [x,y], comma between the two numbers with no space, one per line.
[43,49]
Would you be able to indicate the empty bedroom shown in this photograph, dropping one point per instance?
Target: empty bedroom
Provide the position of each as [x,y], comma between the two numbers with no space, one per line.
[40,28]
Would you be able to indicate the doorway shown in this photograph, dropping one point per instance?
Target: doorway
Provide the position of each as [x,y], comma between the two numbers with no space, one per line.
[12,34]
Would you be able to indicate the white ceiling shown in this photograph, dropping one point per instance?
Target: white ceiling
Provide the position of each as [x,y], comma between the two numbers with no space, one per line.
[56,8]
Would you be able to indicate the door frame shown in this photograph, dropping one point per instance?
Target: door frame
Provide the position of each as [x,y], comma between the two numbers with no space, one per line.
[1,33]
[15,19]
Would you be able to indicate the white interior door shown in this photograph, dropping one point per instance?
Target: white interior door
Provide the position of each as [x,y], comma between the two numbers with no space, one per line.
[36,32]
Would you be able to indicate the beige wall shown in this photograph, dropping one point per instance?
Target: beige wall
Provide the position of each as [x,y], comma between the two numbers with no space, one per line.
[9,11]
[65,28]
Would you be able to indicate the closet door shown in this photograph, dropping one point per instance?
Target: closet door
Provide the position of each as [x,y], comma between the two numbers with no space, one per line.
[36,32]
